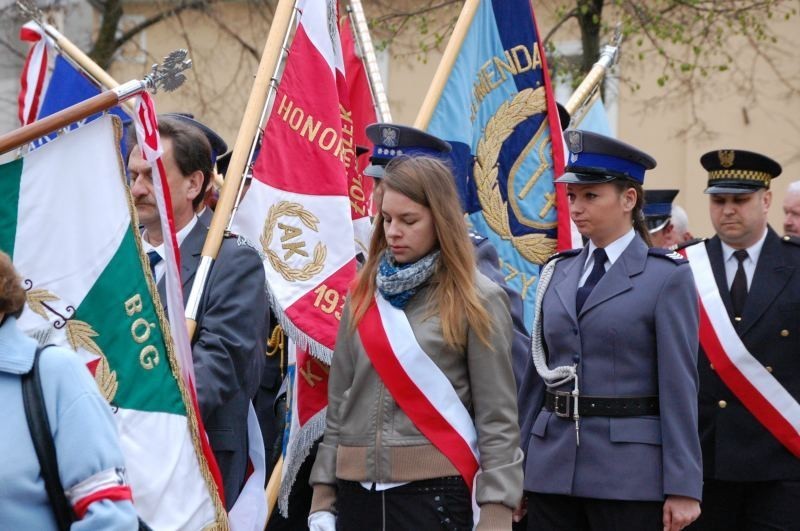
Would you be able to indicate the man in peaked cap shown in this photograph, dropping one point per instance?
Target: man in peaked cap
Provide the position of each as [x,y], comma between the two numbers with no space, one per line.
[749,283]
[658,216]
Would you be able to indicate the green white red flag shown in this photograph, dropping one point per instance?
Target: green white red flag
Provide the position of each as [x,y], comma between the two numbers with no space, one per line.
[69,224]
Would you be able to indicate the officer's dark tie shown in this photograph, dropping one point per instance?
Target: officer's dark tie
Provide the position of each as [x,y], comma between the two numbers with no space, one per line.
[598,270]
[739,286]
[154,258]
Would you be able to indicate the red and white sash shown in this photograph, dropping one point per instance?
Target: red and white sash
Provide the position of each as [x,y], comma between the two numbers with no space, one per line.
[419,386]
[760,392]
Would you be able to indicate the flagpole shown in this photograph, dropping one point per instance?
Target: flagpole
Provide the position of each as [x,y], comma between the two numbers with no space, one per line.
[586,94]
[167,78]
[364,42]
[241,151]
[446,64]
[74,54]
[271,92]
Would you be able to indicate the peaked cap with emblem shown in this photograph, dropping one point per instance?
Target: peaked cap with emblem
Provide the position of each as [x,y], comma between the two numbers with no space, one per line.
[595,158]
[391,140]
[218,145]
[736,171]
[658,208]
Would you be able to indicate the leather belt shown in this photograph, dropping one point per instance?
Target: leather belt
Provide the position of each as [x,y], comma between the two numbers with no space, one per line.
[563,405]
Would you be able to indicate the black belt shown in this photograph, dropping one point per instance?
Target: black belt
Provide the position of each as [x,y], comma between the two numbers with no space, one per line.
[563,405]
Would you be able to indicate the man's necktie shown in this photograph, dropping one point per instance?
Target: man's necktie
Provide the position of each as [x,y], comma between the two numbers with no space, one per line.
[154,258]
[598,270]
[739,286]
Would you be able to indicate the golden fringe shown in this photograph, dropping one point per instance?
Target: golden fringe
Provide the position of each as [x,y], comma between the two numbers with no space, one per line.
[221,523]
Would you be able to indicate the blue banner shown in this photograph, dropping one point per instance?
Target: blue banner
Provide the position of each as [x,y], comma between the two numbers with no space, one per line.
[497,110]
[67,87]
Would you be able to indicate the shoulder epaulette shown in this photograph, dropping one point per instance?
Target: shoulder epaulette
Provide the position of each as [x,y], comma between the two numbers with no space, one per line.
[566,254]
[668,254]
[792,240]
[686,244]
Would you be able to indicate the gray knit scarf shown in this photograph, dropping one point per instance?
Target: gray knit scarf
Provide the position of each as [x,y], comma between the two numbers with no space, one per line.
[399,282]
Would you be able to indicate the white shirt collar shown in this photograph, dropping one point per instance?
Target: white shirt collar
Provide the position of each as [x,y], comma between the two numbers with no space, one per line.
[615,249]
[753,252]
[180,236]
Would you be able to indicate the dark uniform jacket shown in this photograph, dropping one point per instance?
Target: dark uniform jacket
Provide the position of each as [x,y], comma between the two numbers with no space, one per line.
[736,447]
[489,264]
[635,336]
[228,347]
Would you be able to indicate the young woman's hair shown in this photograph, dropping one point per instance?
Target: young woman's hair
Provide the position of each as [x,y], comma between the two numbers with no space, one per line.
[12,296]
[637,214]
[429,182]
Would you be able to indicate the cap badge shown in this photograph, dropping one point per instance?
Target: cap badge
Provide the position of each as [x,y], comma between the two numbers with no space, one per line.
[390,136]
[726,157]
[575,141]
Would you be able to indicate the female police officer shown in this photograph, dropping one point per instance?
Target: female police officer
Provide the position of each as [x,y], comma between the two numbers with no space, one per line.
[615,445]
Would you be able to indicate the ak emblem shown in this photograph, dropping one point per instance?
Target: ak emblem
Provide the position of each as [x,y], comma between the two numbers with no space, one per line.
[535,247]
[726,157]
[292,242]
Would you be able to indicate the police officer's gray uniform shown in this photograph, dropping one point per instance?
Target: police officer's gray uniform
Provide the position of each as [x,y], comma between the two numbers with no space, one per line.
[633,347]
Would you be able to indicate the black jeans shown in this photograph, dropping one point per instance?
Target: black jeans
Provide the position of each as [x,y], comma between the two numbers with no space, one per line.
[749,506]
[431,504]
[556,512]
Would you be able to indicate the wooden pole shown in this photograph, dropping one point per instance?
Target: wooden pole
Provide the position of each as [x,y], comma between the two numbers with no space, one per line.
[241,150]
[446,64]
[358,23]
[59,120]
[274,487]
[83,61]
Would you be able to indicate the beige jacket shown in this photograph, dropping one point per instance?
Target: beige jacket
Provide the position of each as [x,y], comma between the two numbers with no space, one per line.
[369,438]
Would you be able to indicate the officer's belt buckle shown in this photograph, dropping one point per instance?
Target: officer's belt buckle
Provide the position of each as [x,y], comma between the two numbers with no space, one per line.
[562,404]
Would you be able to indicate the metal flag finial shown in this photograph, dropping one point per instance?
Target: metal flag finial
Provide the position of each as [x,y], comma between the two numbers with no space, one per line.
[169,74]
[30,9]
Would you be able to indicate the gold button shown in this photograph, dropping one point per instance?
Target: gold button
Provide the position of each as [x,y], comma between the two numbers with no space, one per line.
[737,319]
[769,369]
[784,333]
[722,404]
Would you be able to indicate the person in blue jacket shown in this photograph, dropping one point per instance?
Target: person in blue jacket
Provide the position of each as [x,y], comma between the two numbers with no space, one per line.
[90,462]
[614,445]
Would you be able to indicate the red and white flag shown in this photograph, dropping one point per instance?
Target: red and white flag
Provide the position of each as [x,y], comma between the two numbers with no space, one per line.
[298,213]
[362,110]
[297,210]
[34,72]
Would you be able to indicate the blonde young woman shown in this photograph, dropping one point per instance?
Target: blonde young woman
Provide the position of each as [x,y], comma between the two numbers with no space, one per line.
[421,390]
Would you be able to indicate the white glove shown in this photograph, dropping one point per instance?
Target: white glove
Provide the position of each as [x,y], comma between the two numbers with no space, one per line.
[322,521]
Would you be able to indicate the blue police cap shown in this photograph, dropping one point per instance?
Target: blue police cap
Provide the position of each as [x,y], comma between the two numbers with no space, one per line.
[658,208]
[736,171]
[595,158]
[218,145]
[391,140]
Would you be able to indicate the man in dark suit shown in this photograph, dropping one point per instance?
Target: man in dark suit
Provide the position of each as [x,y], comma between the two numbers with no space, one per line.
[230,341]
[751,478]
